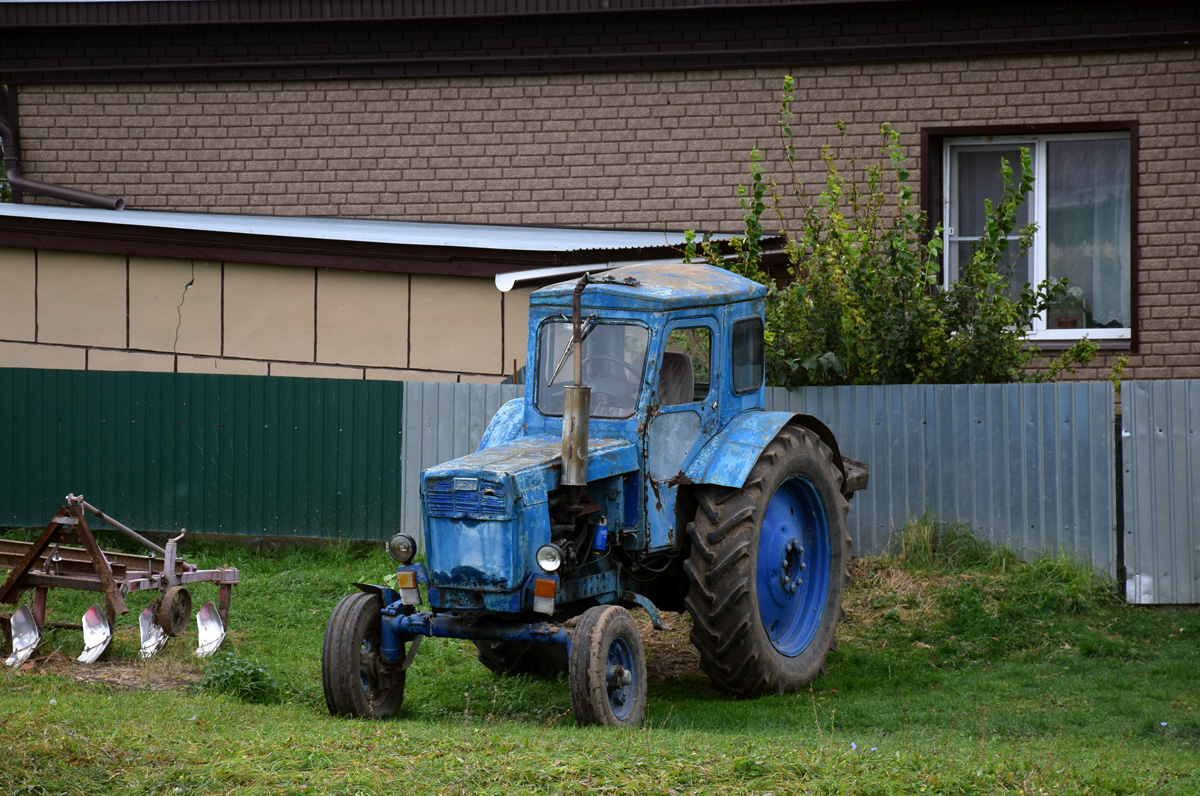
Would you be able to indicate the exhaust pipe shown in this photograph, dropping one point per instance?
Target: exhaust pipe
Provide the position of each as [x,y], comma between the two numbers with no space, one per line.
[13,168]
[577,402]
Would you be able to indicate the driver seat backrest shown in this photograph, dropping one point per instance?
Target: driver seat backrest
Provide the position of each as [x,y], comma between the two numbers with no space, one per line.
[676,381]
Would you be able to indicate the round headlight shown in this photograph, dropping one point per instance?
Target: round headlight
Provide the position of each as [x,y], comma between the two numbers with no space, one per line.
[549,557]
[402,547]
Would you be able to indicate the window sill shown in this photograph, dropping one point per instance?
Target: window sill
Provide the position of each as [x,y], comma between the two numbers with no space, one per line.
[1061,344]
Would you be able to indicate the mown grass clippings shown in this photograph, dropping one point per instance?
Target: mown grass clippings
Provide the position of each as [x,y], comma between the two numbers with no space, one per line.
[955,681]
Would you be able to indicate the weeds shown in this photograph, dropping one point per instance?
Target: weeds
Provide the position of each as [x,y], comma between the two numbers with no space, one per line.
[927,544]
[1068,689]
[244,679]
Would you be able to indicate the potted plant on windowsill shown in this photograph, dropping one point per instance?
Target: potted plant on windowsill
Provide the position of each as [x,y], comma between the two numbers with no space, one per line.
[1069,311]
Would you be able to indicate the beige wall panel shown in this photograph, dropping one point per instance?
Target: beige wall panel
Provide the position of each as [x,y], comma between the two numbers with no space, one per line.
[233,367]
[456,324]
[314,371]
[99,359]
[516,327]
[379,374]
[81,299]
[28,355]
[165,314]
[18,281]
[481,379]
[269,312]
[362,318]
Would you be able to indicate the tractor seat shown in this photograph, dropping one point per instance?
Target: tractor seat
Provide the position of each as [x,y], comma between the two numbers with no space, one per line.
[676,381]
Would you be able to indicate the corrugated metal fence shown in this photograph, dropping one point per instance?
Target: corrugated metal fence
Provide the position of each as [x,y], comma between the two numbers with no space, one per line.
[219,454]
[1160,453]
[443,422]
[1028,466]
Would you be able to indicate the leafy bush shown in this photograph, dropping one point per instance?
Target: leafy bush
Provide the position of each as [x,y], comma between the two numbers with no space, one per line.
[865,303]
[244,679]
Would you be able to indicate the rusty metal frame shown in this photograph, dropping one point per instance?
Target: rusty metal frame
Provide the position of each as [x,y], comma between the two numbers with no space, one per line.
[46,563]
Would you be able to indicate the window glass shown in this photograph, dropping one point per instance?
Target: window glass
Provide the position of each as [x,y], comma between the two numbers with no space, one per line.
[979,180]
[1087,232]
[614,357]
[747,355]
[686,365]
[1081,204]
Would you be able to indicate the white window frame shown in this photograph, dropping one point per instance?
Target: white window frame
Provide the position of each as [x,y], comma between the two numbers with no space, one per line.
[1036,202]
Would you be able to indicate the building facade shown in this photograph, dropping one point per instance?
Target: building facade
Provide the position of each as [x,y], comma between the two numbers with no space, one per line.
[629,115]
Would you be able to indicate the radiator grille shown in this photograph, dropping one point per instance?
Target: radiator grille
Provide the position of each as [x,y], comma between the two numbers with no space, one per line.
[465,497]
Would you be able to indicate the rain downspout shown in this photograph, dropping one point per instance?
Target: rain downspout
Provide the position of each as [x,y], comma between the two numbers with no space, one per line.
[9,139]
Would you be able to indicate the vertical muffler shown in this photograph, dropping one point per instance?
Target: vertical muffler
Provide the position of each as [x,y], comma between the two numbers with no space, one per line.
[577,402]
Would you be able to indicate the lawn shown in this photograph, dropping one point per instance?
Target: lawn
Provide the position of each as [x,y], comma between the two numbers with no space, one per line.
[972,675]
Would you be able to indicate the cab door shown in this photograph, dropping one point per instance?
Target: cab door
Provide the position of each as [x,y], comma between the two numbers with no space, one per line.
[682,416]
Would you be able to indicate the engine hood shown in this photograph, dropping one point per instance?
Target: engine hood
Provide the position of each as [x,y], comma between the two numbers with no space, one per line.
[540,453]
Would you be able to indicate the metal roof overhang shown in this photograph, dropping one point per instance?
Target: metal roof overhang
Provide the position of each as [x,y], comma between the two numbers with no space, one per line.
[403,247]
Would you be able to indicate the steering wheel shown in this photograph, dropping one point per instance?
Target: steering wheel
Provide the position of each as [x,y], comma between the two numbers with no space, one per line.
[634,376]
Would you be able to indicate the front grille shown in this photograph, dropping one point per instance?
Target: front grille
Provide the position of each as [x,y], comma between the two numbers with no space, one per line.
[455,497]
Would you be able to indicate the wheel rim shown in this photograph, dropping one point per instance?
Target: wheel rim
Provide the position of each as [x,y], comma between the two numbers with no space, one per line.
[369,662]
[620,679]
[793,566]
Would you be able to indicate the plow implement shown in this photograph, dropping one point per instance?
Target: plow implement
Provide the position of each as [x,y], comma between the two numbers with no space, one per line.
[66,556]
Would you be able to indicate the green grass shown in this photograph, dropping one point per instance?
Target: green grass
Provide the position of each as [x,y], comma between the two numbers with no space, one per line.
[967,675]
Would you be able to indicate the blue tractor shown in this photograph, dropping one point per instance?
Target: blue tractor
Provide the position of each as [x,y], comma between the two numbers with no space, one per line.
[640,469]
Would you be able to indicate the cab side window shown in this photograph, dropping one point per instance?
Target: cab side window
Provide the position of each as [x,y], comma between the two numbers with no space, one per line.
[747,355]
[686,366]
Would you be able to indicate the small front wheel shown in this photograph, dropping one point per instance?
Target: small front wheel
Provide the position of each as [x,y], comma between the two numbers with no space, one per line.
[607,669]
[357,680]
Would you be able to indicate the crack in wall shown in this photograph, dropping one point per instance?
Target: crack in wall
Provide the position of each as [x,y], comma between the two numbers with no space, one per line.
[179,309]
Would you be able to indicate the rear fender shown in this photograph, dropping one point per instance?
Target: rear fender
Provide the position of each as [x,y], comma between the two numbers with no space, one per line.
[726,459]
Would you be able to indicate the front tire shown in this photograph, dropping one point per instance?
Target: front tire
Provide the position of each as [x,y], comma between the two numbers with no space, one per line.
[356,679]
[607,669]
[768,569]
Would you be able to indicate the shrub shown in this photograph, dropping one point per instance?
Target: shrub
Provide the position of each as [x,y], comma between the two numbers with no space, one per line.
[244,679]
[865,302]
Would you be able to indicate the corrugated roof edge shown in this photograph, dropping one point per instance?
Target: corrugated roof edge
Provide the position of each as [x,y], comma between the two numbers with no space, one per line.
[238,12]
[403,246]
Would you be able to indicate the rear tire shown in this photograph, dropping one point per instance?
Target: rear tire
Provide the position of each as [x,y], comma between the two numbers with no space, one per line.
[356,679]
[768,569]
[608,669]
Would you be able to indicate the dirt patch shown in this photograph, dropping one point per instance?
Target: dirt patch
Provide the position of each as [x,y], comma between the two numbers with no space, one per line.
[669,652]
[879,592]
[153,675]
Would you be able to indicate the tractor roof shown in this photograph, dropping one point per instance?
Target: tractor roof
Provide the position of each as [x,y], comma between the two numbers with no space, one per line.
[655,287]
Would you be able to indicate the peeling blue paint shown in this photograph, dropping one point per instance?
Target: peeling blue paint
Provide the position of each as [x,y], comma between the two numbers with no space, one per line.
[726,459]
[506,425]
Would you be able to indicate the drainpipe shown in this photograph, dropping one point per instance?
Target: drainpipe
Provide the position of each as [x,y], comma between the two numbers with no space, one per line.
[13,167]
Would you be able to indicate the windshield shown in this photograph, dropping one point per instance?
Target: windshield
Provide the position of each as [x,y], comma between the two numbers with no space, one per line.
[614,355]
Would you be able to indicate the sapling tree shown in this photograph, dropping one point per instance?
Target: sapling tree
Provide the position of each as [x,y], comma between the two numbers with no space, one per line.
[865,301]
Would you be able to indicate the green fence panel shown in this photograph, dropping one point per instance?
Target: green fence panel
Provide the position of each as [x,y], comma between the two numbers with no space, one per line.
[250,455]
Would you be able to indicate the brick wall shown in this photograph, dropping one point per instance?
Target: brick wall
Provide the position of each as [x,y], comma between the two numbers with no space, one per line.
[644,150]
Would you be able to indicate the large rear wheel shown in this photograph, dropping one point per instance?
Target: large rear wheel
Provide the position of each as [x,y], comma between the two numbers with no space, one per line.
[356,678]
[768,568]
